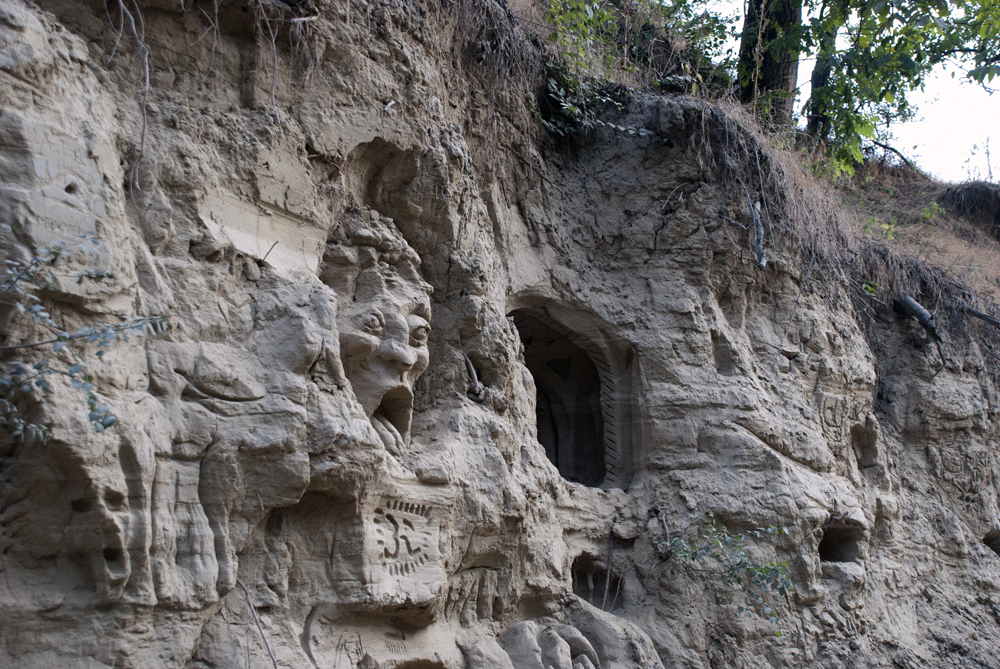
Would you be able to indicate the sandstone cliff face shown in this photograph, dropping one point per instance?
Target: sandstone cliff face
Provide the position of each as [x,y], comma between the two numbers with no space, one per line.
[429,373]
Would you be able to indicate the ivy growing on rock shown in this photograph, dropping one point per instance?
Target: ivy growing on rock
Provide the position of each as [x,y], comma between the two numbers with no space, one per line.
[647,42]
[570,103]
[602,48]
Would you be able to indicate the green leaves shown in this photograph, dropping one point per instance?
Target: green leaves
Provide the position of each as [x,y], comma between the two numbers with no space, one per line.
[984,73]
[570,104]
[725,554]
[20,381]
[870,54]
[578,23]
[645,40]
[100,416]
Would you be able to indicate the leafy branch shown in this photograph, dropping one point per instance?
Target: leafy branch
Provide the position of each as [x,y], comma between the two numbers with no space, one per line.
[726,556]
[651,41]
[570,104]
[21,380]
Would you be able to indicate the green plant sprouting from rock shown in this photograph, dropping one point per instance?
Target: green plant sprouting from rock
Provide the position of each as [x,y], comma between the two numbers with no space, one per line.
[669,45]
[570,104]
[725,555]
[21,381]
[931,212]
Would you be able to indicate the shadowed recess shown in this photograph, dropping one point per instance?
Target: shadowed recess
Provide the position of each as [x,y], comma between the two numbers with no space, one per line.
[840,544]
[590,582]
[568,401]
[992,541]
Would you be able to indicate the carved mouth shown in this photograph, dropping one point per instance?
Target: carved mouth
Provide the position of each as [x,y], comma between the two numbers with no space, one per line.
[112,574]
[396,408]
[116,565]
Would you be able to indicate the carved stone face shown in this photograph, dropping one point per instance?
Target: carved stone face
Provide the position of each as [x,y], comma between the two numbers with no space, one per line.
[98,535]
[383,346]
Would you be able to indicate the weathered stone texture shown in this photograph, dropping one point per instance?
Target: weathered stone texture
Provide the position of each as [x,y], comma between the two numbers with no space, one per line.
[338,439]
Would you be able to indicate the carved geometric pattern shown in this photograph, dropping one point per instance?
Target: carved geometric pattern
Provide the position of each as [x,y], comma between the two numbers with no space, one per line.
[404,535]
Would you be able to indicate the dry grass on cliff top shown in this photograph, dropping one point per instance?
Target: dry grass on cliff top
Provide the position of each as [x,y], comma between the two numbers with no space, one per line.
[951,228]
[803,214]
[888,231]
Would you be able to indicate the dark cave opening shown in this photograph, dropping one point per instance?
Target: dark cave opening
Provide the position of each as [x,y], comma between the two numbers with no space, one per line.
[840,544]
[568,400]
[590,582]
[992,541]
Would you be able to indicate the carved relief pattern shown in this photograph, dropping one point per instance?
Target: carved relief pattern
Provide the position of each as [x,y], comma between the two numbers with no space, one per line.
[839,413]
[406,536]
[968,467]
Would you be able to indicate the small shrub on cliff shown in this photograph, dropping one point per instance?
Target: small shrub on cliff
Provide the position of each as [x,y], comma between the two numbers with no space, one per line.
[569,103]
[725,555]
[669,45]
[21,381]
[645,41]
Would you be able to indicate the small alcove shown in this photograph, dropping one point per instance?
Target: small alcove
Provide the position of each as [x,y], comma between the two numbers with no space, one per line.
[722,351]
[590,582]
[585,389]
[992,541]
[568,400]
[840,544]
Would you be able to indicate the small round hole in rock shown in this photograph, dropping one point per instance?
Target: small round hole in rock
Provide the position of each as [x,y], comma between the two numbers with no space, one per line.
[114,499]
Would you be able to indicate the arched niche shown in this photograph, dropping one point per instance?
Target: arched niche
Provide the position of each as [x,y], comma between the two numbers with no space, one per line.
[584,391]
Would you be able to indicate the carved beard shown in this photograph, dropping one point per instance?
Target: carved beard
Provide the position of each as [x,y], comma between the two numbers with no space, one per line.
[392,419]
[391,437]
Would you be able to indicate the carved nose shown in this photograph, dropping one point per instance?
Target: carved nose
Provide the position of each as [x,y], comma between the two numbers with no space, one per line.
[108,525]
[397,355]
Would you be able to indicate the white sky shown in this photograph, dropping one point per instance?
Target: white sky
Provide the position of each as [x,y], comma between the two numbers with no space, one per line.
[956,122]
[948,136]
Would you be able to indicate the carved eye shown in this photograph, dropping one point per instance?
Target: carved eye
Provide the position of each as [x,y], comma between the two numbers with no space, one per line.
[114,499]
[371,323]
[80,505]
[419,331]
[418,337]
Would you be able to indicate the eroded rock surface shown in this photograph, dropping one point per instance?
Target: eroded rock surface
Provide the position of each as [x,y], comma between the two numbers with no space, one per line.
[391,298]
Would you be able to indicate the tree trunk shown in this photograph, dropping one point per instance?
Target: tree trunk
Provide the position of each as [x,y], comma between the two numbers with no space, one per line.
[818,122]
[767,71]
